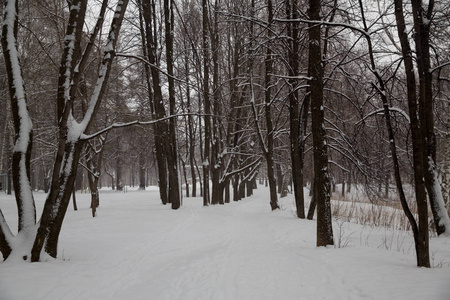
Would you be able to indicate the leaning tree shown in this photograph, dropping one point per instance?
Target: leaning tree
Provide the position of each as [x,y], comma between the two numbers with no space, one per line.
[34,238]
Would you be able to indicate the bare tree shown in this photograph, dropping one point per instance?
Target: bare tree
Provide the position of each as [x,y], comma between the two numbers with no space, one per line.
[321,176]
[71,132]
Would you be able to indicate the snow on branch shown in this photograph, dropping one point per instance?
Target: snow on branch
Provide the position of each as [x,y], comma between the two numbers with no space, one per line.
[132,123]
[381,110]
[16,85]
[339,166]
[254,164]
[5,231]
[22,122]
[440,66]
[76,130]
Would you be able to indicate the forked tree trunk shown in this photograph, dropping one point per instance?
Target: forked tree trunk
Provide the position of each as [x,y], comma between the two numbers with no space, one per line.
[422,16]
[71,144]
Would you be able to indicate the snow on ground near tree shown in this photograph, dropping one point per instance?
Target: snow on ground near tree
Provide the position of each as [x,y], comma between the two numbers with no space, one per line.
[138,248]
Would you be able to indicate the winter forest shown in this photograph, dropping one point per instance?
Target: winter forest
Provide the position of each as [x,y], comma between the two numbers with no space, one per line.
[315,120]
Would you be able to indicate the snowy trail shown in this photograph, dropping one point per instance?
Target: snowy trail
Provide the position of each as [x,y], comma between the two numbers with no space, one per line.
[139,249]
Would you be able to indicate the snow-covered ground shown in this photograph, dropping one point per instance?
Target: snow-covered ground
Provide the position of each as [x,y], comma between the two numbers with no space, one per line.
[138,248]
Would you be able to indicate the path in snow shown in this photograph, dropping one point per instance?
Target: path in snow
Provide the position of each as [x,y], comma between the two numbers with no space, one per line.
[139,249]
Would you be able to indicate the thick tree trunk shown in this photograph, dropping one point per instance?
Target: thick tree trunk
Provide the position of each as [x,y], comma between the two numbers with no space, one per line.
[119,183]
[70,143]
[157,105]
[227,190]
[321,178]
[24,133]
[172,153]
[422,15]
[21,155]
[216,162]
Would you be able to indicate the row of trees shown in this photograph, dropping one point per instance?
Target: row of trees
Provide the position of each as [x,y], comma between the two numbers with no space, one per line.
[293,91]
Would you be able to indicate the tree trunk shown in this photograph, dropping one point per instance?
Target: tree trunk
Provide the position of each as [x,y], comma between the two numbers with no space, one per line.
[142,172]
[74,199]
[119,183]
[422,15]
[172,153]
[70,142]
[207,104]
[157,105]
[190,138]
[227,190]
[236,195]
[295,138]
[320,151]
[421,240]
[186,181]
[21,155]
[216,162]
[312,204]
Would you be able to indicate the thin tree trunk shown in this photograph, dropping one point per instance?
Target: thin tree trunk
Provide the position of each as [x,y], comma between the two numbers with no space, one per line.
[269,152]
[312,204]
[74,199]
[207,104]
[420,237]
[190,132]
[295,138]
[216,163]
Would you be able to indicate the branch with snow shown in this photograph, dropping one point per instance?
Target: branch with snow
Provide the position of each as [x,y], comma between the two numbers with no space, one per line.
[381,110]
[132,123]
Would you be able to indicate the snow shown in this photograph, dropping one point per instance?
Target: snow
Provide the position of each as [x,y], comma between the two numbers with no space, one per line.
[25,122]
[25,127]
[138,248]
[442,210]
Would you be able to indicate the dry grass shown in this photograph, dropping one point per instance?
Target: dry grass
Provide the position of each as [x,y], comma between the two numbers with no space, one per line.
[358,209]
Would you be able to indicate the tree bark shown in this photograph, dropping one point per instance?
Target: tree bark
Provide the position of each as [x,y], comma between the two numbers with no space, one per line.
[155,96]
[21,155]
[216,162]
[321,178]
[70,141]
[269,148]
[207,105]
[422,16]
[296,138]
[172,153]
[421,236]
